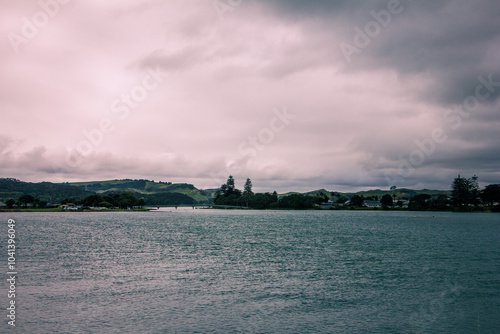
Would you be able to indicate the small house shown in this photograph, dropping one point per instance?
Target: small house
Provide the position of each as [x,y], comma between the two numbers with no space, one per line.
[372,204]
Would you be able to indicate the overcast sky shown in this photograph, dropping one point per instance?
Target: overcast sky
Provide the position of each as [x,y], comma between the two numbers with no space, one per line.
[296,95]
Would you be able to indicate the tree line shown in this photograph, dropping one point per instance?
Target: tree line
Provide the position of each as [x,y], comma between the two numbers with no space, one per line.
[229,195]
[121,200]
[466,195]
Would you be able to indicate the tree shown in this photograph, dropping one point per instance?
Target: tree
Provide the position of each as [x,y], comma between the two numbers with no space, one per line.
[460,192]
[489,195]
[474,190]
[296,201]
[230,185]
[342,199]
[439,203]
[419,202]
[106,204]
[464,192]
[357,200]
[92,200]
[263,201]
[228,194]
[25,199]
[10,203]
[220,193]
[320,198]
[386,200]
[127,200]
[247,193]
[141,202]
[247,190]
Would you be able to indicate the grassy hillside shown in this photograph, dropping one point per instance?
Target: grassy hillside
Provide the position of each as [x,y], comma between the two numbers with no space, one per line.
[146,188]
[157,193]
[400,193]
[46,191]
[321,192]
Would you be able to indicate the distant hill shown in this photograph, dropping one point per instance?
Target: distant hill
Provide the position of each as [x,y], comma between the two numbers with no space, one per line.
[149,190]
[161,193]
[321,192]
[158,193]
[400,193]
[46,191]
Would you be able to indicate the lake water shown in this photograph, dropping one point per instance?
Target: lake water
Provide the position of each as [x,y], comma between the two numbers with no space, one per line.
[211,271]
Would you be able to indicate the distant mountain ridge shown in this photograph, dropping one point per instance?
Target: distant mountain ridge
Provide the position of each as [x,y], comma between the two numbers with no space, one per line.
[400,193]
[143,187]
[49,192]
[158,193]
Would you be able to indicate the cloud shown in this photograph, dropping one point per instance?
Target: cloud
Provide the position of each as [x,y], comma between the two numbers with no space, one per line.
[353,123]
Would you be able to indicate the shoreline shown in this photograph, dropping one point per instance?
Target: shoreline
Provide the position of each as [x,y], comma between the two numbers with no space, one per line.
[244,209]
[59,210]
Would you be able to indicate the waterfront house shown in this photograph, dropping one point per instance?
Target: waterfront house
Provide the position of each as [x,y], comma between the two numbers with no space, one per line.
[372,204]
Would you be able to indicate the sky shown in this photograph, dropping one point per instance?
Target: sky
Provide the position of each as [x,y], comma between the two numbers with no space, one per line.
[295,95]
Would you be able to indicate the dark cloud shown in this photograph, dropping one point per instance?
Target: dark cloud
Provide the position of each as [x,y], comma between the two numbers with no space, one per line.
[173,60]
[454,42]
[353,121]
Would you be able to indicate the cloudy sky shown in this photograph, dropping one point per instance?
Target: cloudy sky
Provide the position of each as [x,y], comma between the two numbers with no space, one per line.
[296,95]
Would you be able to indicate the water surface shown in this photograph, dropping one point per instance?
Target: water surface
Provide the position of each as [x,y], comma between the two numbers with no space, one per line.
[211,271]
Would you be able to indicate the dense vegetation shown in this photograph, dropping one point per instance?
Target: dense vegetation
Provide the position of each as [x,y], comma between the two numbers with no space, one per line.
[465,195]
[228,195]
[147,188]
[111,194]
[121,200]
[44,191]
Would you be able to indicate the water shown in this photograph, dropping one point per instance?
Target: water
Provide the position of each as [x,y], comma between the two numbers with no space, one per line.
[210,271]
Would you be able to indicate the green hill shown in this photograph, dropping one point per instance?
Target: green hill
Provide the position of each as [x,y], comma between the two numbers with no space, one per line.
[46,191]
[154,193]
[321,192]
[159,193]
[400,193]
[148,189]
